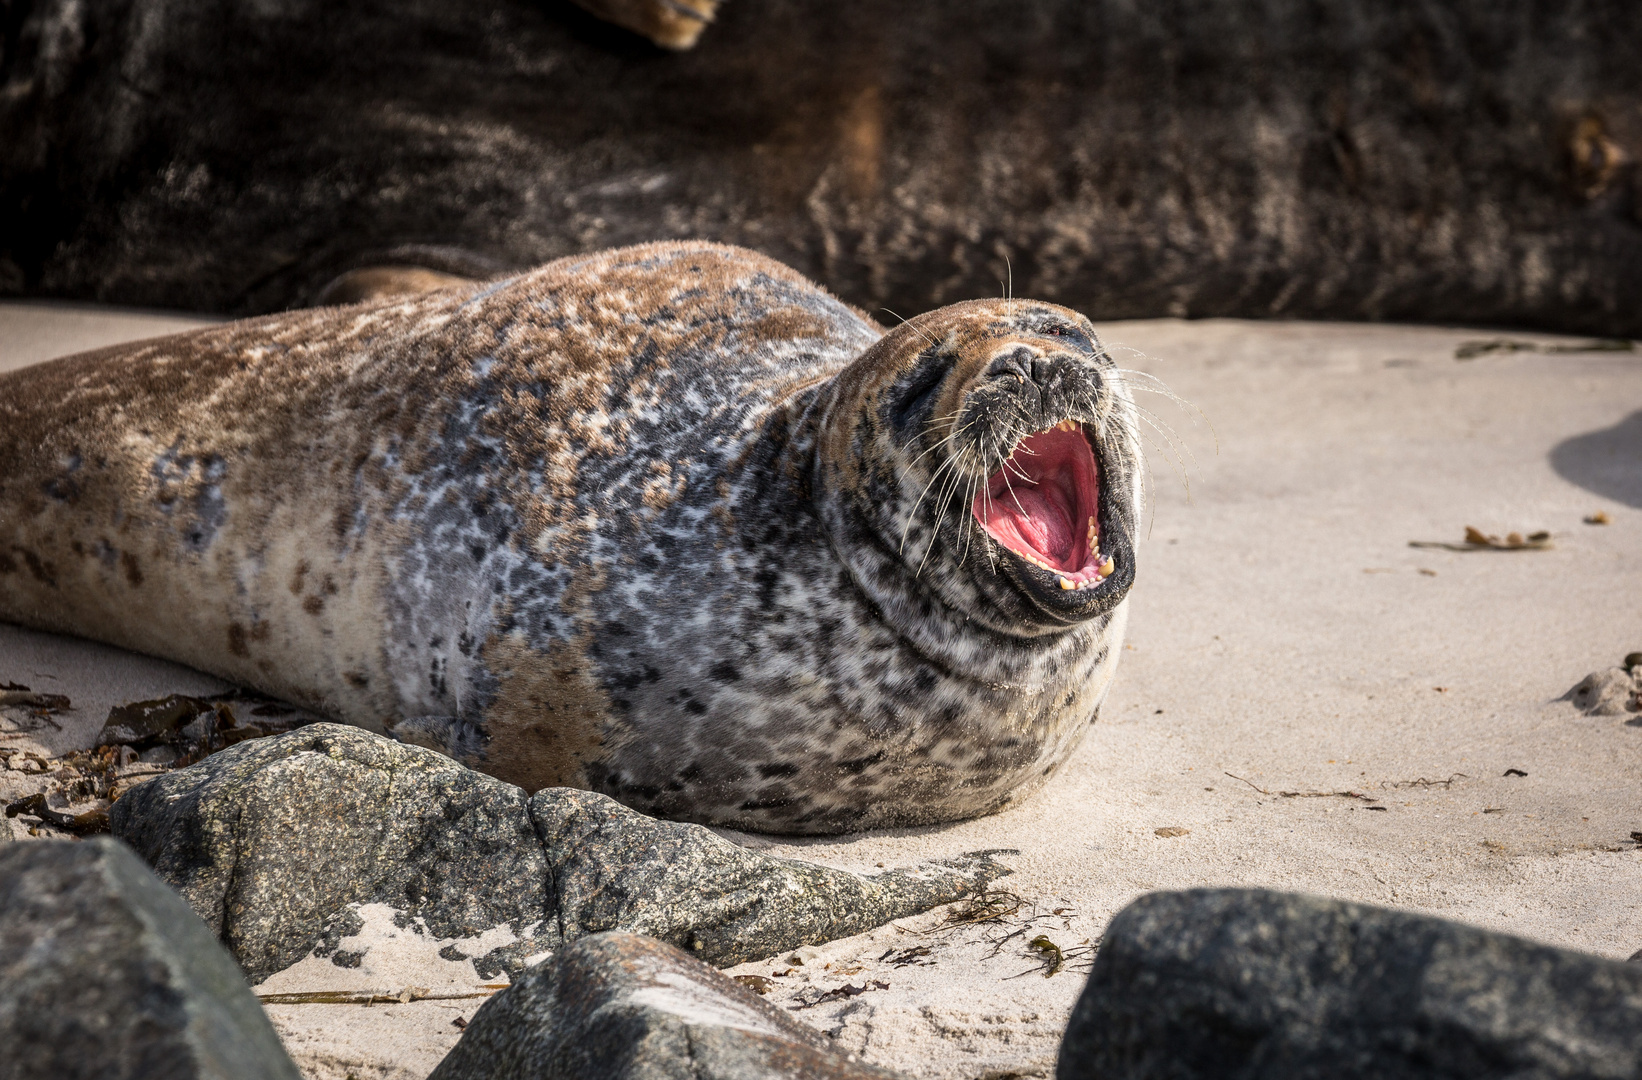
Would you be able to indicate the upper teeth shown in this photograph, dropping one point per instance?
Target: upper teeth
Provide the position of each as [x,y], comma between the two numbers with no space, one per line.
[1066,425]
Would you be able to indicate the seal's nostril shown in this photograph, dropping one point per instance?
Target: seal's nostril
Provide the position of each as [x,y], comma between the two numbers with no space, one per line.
[1018,362]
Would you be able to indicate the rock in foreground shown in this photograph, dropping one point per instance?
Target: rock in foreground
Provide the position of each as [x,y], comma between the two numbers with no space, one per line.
[1249,983]
[104,972]
[627,1007]
[279,842]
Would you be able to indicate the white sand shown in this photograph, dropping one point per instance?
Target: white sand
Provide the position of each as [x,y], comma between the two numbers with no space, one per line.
[1281,630]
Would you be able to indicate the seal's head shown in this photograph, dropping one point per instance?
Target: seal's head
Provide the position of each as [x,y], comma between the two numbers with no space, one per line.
[989,449]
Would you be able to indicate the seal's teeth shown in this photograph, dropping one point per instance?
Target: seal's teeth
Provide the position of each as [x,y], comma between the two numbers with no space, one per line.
[1067,583]
[1066,425]
[1107,567]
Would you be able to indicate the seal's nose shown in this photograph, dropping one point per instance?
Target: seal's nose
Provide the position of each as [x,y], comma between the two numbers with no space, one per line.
[1027,364]
[1043,367]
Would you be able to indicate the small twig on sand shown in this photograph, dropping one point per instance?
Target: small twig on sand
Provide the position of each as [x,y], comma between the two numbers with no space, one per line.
[1423,782]
[1307,794]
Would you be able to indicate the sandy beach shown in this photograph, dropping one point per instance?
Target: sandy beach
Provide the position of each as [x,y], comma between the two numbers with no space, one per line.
[1306,701]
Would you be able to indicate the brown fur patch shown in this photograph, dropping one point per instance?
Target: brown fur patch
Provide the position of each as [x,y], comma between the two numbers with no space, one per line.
[548,717]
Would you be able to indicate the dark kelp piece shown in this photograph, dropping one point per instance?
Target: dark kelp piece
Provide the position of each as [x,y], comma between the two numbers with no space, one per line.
[625,1007]
[1252,983]
[277,842]
[104,972]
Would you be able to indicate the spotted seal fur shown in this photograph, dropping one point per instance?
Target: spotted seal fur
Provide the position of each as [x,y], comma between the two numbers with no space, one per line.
[669,522]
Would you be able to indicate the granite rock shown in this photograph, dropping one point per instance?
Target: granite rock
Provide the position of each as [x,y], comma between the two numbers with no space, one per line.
[1251,983]
[105,973]
[615,869]
[277,843]
[626,1007]
[274,842]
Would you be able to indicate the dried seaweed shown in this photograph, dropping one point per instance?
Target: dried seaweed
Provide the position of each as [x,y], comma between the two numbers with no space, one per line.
[990,905]
[836,993]
[1422,782]
[1477,540]
[1306,794]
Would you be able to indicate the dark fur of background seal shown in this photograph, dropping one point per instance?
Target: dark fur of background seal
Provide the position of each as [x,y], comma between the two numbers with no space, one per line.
[1473,161]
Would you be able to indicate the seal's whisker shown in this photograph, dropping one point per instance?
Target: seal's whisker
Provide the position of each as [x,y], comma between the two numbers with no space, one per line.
[1164,390]
[915,329]
[1172,447]
[971,530]
[931,422]
[935,533]
[1125,449]
[912,515]
[1163,426]
[944,440]
[1011,488]
[927,451]
[953,461]
[1169,455]
[1162,387]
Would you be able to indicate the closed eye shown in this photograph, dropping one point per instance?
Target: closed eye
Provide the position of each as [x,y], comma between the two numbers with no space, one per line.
[917,398]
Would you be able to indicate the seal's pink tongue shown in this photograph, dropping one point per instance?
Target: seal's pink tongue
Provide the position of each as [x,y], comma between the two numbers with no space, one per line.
[1028,517]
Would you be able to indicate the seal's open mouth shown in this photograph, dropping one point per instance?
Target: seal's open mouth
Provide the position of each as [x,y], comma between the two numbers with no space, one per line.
[1044,506]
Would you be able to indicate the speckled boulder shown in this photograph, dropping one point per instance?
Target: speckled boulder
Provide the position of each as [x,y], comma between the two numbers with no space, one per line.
[615,869]
[625,1007]
[278,842]
[105,973]
[1249,983]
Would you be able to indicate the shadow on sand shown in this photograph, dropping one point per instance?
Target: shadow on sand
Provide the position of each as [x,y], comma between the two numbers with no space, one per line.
[1608,462]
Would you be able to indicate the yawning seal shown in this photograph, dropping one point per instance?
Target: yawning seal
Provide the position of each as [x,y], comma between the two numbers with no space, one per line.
[669,522]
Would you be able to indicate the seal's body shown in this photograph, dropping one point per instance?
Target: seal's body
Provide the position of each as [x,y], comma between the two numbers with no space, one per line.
[669,522]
